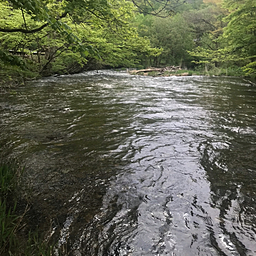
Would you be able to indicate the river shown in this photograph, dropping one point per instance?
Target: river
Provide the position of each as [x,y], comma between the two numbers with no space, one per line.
[130,165]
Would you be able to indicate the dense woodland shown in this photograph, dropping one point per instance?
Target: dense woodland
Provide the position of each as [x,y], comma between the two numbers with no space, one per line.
[45,37]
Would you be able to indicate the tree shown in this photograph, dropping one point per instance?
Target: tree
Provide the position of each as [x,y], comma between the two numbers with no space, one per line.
[173,35]
[159,8]
[66,35]
[240,33]
[235,40]
[51,13]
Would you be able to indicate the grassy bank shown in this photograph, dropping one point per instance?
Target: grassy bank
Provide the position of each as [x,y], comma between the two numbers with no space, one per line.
[200,71]
[13,241]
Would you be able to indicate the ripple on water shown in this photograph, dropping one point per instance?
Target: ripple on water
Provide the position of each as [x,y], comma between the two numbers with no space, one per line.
[131,165]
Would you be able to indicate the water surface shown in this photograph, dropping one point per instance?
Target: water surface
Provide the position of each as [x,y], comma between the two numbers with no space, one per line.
[130,165]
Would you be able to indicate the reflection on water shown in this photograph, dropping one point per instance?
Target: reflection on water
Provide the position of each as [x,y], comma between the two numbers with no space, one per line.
[129,165]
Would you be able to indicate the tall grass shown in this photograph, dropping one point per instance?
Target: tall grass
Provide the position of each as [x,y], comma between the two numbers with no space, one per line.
[11,242]
[212,70]
[8,218]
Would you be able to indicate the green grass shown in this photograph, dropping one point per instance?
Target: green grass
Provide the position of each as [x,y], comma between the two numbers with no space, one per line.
[154,73]
[220,71]
[8,219]
[201,71]
[12,243]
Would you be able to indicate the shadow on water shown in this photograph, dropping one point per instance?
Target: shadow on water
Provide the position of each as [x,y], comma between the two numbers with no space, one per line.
[67,133]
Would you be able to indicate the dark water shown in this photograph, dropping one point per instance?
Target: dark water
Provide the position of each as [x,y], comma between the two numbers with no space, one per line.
[127,165]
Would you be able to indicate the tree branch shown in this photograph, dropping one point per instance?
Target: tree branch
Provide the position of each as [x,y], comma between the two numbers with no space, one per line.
[22,30]
[31,31]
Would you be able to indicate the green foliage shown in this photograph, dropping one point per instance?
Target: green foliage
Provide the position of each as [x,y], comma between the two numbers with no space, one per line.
[160,8]
[234,43]
[172,34]
[250,69]
[64,36]
[42,37]
[240,33]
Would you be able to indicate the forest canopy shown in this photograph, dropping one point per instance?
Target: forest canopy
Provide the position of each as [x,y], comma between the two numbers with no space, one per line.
[45,37]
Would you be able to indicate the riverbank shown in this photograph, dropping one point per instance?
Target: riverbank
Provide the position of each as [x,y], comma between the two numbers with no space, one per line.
[178,71]
[16,236]
[13,80]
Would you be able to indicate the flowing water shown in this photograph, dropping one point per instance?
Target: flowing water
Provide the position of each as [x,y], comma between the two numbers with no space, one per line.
[131,165]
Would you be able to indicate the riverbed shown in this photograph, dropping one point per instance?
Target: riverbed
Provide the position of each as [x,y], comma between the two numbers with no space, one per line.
[131,165]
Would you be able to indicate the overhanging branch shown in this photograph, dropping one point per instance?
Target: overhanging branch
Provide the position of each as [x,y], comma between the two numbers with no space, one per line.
[22,30]
[29,31]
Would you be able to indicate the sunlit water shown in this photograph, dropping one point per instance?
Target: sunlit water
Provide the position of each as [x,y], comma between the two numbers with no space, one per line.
[130,165]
